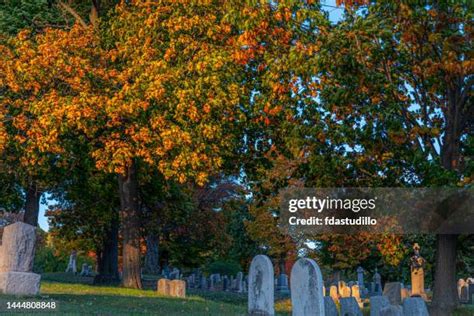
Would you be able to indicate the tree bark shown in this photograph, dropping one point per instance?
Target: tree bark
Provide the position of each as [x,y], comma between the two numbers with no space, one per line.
[445,296]
[107,258]
[152,264]
[32,205]
[130,219]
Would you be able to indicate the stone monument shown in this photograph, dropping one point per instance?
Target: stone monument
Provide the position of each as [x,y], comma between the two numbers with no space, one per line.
[417,264]
[17,253]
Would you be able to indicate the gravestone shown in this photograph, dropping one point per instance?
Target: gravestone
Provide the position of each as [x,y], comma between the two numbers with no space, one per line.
[391,310]
[282,284]
[239,282]
[177,288]
[355,293]
[360,276]
[377,303]
[349,307]
[306,288]
[84,269]
[225,283]
[211,283]
[163,287]
[405,293]
[414,306]
[460,285]
[470,290]
[72,265]
[330,308]
[16,260]
[417,264]
[174,274]
[333,293]
[377,287]
[203,283]
[261,287]
[393,290]
[344,290]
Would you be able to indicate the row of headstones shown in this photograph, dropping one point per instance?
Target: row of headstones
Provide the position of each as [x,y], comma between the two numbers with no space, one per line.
[86,269]
[466,290]
[216,282]
[17,252]
[307,294]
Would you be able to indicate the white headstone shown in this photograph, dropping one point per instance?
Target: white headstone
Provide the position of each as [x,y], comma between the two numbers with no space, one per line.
[306,288]
[261,287]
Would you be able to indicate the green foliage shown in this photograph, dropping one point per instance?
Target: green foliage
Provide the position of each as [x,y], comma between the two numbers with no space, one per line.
[16,15]
[224,267]
[47,261]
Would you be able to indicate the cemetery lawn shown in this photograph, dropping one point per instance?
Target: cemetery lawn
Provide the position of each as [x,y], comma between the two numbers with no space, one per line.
[73,296]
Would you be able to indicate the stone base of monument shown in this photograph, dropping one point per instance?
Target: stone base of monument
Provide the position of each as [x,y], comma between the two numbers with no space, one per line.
[19,283]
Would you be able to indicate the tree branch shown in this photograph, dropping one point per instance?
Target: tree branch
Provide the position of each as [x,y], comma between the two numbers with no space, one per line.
[71,11]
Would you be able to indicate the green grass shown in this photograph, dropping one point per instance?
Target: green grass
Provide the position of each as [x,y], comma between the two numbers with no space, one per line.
[74,295]
[82,299]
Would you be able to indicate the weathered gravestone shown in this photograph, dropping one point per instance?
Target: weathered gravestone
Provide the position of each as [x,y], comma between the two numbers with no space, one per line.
[16,260]
[460,285]
[393,290]
[377,284]
[349,307]
[417,264]
[377,303]
[414,306]
[72,265]
[261,287]
[391,310]
[163,287]
[344,290]
[177,288]
[330,308]
[306,288]
[333,293]
[84,269]
[355,293]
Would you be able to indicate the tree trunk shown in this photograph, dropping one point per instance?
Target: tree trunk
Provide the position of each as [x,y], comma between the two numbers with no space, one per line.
[32,202]
[152,264]
[445,296]
[107,258]
[130,219]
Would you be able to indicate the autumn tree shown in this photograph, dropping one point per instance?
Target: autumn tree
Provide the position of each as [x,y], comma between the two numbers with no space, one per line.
[163,99]
[406,71]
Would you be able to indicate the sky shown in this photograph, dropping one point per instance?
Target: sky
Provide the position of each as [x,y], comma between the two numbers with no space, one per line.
[335,14]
